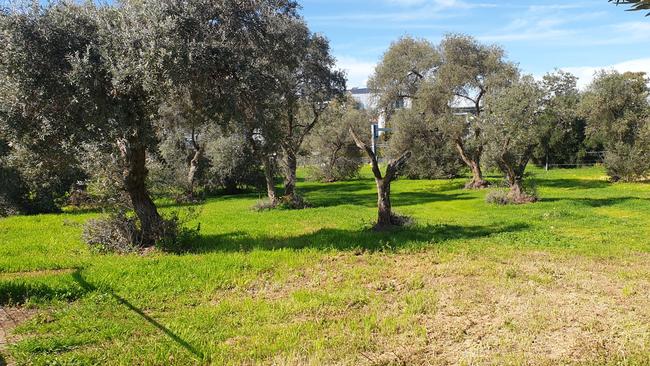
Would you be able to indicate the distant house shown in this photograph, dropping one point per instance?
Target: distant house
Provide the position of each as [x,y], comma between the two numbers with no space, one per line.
[366,100]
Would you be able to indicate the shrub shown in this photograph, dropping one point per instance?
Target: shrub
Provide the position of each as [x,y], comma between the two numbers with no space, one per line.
[233,164]
[333,155]
[433,156]
[117,233]
[505,197]
[120,233]
[627,163]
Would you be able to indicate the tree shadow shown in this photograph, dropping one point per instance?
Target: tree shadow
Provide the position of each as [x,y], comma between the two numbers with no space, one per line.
[572,183]
[345,240]
[168,332]
[595,202]
[16,292]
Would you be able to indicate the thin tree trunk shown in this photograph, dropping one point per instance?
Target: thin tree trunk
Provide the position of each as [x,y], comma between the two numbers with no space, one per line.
[477,181]
[194,167]
[270,180]
[290,167]
[134,179]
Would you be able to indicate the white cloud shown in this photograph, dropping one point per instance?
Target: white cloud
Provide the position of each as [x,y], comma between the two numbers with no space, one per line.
[586,73]
[358,71]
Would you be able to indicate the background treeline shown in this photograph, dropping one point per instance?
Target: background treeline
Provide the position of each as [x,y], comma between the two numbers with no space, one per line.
[113,105]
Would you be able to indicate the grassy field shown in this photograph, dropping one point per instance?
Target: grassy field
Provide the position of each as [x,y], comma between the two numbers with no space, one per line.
[563,281]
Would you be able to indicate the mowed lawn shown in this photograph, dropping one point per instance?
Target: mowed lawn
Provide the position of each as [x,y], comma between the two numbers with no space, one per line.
[563,281]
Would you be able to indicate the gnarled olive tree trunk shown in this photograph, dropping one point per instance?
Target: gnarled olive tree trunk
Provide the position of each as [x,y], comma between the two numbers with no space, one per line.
[473,161]
[385,217]
[134,177]
[514,170]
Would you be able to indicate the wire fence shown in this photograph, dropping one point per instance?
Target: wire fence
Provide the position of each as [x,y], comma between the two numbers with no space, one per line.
[589,159]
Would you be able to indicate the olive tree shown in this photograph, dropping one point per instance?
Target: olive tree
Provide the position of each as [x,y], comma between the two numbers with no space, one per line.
[332,153]
[402,69]
[617,112]
[309,84]
[39,111]
[469,71]
[385,216]
[512,128]
[563,140]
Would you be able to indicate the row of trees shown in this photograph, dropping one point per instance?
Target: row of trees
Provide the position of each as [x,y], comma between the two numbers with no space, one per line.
[506,117]
[103,92]
[190,96]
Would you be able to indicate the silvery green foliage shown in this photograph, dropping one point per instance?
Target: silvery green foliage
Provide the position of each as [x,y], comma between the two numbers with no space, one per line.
[434,156]
[403,68]
[330,151]
[564,139]
[232,163]
[618,116]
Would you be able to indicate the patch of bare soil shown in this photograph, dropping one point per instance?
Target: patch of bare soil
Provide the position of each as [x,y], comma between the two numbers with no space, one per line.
[10,318]
[29,274]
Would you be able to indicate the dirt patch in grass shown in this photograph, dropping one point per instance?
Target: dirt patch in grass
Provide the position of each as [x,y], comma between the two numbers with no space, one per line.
[31,274]
[10,318]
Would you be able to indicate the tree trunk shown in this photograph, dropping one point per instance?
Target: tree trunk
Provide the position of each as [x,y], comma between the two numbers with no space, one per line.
[290,167]
[474,165]
[385,218]
[517,193]
[477,181]
[385,214]
[134,179]
[194,167]
[270,180]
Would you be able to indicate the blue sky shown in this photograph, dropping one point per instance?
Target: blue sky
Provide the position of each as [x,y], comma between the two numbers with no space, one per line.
[578,36]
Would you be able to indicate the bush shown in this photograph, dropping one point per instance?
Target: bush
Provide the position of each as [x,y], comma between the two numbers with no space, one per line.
[117,233]
[333,155]
[498,197]
[627,163]
[505,197]
[233,164]
[433,156]
[120,233]
[283,203]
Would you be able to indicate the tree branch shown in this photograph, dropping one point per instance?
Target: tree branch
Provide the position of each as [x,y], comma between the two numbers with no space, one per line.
[373,158]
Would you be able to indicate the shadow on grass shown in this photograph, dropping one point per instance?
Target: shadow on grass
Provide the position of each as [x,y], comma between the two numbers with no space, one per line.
[71,287]
[18,292]
[596,202]
[336,239]
[3,362]
[573,183]
[88,287]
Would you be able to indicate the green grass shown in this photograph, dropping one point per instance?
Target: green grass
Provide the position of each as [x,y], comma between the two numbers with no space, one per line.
[565,280]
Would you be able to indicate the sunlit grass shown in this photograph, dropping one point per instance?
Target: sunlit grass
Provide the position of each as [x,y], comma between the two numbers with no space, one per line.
[470,282]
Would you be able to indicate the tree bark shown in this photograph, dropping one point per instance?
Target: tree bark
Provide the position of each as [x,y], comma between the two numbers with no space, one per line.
[194,167]
[270,180]
[385,218]
[474,165]
[385,213]
[290,167]
[134,177]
